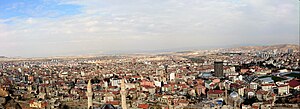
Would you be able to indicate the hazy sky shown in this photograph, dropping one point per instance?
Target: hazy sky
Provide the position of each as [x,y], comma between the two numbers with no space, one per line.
[31,28]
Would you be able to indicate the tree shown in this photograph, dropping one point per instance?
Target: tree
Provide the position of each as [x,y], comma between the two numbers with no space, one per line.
[250,101]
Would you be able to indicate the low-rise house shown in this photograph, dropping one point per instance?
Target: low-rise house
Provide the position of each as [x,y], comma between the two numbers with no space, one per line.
[108,97]
[253,85]
[145,82]
[182,103]
[266,96]
[283,89]
[261,95]
[37,104]
[267,87]
[149,89]
[213,94]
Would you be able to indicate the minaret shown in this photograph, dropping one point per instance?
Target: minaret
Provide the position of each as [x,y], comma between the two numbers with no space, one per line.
[226,95]
[90,95]
[123,94]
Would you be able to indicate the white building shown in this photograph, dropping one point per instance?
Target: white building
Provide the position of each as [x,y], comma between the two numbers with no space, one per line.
[283,89]
[172,77]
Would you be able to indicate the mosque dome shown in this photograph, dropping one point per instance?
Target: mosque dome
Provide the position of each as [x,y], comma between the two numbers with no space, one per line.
[234,94]
[107,106]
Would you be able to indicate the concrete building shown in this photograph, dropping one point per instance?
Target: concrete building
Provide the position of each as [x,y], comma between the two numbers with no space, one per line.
[218,68]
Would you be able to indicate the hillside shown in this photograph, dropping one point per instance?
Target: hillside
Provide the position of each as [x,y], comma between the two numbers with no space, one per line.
[280,47]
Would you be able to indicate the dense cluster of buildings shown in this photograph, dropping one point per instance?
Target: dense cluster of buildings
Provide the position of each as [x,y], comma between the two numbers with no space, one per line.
[205,79]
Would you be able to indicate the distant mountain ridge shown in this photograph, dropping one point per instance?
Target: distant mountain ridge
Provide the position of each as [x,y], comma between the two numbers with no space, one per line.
[279,47]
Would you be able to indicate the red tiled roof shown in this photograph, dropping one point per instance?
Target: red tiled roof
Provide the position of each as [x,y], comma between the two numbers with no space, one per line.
[115,92]
[112,87]
[182,101]
[282,85]
[262,92]
[215,92]
[148,87]
[294,83]
[255,107]
[268,85]
[132,89]
[248,90]
[115,102]
[273,94]
[31,101]
[235,85]
[144,106]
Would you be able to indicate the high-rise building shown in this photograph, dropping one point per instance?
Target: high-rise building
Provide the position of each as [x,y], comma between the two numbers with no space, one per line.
[90,95]
[290,51]
[218,67]
[166,68]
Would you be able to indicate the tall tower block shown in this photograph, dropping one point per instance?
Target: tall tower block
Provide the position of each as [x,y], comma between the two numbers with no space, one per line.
[218,67]
[90,95]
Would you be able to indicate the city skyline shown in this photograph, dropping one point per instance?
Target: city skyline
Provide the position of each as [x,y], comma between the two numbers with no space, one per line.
[73,27]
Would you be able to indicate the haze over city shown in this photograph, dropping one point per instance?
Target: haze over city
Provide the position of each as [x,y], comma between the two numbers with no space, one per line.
[39,28]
